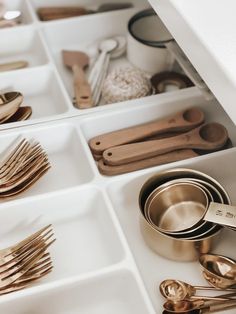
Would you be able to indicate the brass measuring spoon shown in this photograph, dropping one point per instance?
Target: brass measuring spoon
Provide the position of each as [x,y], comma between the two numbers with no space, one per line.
[200,306]
[207,137]
[183,120]
[177,290]
[218,270]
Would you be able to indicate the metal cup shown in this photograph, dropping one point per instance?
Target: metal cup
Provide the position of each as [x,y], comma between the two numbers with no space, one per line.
[169,246]
[178,207]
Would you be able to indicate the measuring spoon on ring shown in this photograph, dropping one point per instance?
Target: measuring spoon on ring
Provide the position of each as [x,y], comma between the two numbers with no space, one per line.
[106,46]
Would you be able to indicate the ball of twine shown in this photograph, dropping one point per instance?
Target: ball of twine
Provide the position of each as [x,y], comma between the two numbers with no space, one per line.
[125,84]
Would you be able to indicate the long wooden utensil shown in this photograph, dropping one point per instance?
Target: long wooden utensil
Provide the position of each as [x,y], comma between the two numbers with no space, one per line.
[77,61]
[181,121]
[181,154]
[60,12]
[206,137]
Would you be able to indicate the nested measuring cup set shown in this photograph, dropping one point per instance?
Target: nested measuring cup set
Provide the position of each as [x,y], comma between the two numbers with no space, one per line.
[183,212]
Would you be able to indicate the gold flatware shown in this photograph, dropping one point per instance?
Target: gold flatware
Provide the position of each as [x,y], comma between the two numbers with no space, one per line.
[9,103]
[177,290]
[218,270]
[15,65]
[197,306]
[23,113]
[14,248]
[23,164]
[26,261]
[17,269]
[27,184]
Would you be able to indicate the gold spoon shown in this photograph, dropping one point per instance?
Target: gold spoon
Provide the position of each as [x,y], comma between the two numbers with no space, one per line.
[177,290]
[218,270]
[9,103]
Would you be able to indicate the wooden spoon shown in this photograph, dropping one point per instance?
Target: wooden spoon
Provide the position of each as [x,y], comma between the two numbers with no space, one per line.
[206,137]
[180,154]
[182,121]
[77,61]
[97,157]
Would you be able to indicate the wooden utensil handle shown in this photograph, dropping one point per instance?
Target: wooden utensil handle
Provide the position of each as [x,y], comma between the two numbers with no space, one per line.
[132,152]
[172,123]
[83,94]
[53,13]
[145,163]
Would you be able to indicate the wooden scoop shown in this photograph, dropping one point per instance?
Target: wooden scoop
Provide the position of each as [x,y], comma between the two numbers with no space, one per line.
[182,121]
[206,137]
[177,155]
[77,61]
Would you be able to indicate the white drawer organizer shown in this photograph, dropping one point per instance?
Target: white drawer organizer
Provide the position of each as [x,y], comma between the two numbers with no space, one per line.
[102,264]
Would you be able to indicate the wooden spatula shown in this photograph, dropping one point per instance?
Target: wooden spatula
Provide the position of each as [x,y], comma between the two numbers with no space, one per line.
[77,61]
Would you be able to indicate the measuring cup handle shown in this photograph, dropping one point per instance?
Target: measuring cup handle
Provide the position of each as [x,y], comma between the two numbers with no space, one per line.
[221,214]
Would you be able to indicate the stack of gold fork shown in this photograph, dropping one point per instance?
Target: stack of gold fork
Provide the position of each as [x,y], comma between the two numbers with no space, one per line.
[25,262]
[24,163]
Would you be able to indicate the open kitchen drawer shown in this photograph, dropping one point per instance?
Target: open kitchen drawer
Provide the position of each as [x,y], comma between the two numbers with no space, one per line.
[101,262]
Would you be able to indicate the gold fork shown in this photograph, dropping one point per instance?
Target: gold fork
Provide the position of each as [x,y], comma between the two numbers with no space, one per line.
[12,154]
[23,166]
[27,241]
[21,284]
[26,173]
[27,154]
[24,253]
[25,262]
[16,269]
[28,183]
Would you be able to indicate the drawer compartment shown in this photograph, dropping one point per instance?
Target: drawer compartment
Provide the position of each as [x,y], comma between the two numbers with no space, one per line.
[104,294]
[86,235]
[156,108]
[124,193]
[69,163]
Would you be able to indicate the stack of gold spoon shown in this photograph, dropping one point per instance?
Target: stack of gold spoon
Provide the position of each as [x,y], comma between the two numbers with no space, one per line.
[10,110]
